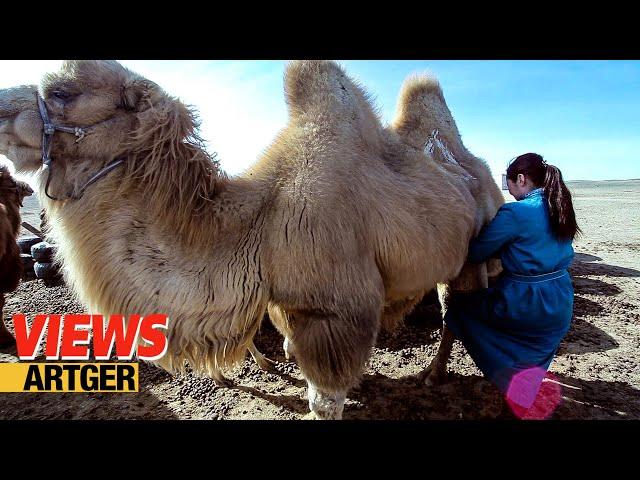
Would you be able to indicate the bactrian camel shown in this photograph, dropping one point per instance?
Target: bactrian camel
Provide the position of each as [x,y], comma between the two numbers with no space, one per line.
[338,229]
[12,193]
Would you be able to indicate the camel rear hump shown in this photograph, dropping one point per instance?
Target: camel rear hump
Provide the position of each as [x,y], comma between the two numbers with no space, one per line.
[423,120]
[423,111]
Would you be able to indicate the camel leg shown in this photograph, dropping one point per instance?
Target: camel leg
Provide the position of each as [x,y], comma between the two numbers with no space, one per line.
[331,351]
[6,338]
[471,278]
[394,313]
[436,372]
[263,362]
[280,319]
[221,380]
[325,406]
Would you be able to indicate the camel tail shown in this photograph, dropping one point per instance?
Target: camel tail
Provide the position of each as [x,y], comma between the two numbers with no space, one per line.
[422,113]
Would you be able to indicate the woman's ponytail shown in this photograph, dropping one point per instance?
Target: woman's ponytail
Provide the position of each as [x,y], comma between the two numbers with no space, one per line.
[561,213]
[562,217]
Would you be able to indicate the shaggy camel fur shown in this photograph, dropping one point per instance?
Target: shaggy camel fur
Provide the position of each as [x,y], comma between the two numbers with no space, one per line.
[340,226]
[424,122]
[12,192]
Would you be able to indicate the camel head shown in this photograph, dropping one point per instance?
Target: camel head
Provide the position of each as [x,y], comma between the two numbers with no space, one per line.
[24,190]
[121,113]
[11,190]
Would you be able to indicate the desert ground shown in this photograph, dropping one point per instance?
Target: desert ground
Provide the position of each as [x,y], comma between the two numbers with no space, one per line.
[597,368]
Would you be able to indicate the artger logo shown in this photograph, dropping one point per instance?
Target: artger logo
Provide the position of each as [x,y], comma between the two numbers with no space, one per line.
[68,338]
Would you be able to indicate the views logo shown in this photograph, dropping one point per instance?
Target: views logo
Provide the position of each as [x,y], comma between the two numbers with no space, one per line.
[69,338]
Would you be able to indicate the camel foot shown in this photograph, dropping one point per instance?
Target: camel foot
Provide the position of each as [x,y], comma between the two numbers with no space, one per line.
[326,406]
[266,364]
[223,382]
[310,416]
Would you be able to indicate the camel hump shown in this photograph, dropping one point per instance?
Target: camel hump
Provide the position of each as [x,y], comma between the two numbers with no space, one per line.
[420,85]
[323,89]
[422,112]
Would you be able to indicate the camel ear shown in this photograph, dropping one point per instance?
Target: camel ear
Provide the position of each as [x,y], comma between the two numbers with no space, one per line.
[138,94]
[160,118]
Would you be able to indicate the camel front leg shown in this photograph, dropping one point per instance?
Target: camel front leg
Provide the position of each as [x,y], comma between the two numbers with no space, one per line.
[222,381]
[332,351]
[263,362]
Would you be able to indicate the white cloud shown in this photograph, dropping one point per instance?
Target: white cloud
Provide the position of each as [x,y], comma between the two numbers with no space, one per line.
[241,104]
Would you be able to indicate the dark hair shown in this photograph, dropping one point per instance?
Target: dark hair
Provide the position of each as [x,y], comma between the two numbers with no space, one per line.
[541,174]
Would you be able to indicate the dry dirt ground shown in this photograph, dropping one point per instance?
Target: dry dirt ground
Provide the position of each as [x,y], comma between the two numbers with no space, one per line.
[598,365]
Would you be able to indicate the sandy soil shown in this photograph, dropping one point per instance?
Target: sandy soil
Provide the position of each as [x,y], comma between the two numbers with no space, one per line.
[598,365]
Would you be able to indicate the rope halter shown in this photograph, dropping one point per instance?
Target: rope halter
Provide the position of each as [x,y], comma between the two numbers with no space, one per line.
[48,130]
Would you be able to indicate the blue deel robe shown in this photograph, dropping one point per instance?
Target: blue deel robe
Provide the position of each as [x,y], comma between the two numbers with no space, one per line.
[513,329]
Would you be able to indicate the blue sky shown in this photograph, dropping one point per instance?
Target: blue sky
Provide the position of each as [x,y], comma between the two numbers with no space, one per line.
[583,116]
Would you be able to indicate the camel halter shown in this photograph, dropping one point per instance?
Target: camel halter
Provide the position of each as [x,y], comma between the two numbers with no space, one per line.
[48,130]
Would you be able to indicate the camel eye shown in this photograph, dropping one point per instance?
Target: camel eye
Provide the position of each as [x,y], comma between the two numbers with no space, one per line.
[61,94]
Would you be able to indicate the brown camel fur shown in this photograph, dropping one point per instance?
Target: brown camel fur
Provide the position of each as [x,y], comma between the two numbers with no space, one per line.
[12,192]
[340,227]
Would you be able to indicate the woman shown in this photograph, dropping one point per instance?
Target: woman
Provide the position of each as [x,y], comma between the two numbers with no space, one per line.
[512,330]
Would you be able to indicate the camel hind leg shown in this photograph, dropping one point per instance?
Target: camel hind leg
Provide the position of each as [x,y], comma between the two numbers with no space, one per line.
[472,277]
[394,313]
[435,373]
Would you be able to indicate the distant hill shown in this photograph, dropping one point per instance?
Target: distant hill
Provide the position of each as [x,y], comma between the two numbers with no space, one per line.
[612,180]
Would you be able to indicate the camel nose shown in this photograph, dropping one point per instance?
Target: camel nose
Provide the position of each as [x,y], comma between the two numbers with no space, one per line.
[15,100]
[25,189]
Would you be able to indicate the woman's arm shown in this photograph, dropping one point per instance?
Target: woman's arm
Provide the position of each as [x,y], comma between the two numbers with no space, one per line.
[500,231]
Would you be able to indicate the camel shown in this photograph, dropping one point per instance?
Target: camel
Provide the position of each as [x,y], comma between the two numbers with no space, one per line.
[12,193]
[337,230]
